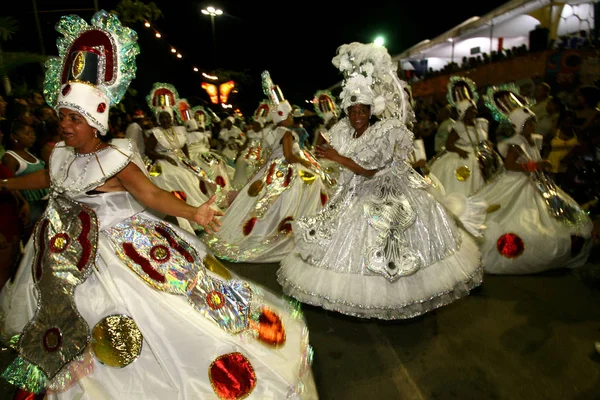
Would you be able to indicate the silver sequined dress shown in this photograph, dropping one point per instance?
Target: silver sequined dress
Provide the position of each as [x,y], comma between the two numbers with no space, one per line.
[383,247]
[111,302]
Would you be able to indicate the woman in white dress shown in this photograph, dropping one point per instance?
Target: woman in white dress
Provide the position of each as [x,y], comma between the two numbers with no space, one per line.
[251,156]
[538,227]
[215,168]
[109,301]
[257,225]
[469,160]
[383,247]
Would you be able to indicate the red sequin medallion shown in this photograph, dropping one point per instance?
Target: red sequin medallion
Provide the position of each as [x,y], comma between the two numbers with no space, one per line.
[510,245]
[270,328]
[232,376]
[285,226]
[248,226]
[101,108]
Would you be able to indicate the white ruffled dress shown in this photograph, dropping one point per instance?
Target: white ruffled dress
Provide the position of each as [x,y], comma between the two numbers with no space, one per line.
[383,247]
[538,226]
[110,302]
[250,159]
[256,227]
[464,175]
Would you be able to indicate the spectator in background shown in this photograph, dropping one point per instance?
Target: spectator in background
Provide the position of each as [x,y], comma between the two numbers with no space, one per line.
[447,116]
[549,124]
[14,214]
[427,127]
[542,97]
[562,143]
[21,162]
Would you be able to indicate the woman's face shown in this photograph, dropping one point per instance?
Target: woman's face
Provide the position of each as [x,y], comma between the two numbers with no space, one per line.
[164,119]
[359,115]
[25,137]
[470,114]
[74,128]
[26,118]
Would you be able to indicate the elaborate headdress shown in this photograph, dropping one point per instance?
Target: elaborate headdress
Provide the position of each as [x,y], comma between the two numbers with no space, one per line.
[162,97]
[370,78]
[508,105]
[183,113]
[462,94]
[280,108]
[261,114]
[324,104]
[95,66]
[202,117]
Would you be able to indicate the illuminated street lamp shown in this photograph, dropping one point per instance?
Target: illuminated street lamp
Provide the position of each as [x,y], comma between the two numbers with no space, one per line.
[213,12]
[379,41]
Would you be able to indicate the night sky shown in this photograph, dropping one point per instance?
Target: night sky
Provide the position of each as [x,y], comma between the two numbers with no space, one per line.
[295,41]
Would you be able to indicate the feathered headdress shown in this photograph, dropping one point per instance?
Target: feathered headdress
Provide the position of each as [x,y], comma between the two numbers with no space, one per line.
[94,67]
[462,94]
[370,77]
[508,105]
[281,108]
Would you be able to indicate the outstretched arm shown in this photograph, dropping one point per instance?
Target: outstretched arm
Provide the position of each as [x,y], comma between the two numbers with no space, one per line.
[36,180]
[142,188]
[511,161]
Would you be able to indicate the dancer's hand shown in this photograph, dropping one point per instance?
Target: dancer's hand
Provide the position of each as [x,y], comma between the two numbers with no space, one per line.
[327,152]
[544,165]
[205,216]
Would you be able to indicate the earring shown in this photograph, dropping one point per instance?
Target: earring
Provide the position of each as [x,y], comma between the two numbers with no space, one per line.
[95,133]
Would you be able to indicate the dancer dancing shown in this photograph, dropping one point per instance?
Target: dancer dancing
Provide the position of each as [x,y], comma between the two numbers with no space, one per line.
[383,247]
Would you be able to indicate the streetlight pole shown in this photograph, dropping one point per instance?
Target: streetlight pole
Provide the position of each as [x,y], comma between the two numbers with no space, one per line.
[213,12]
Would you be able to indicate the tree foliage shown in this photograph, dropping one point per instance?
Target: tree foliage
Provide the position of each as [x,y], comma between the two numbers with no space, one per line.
[131,12]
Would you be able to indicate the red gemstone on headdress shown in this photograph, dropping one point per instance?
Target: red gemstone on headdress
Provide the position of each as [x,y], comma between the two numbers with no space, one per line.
[65,91]
[101,107]
[280,113]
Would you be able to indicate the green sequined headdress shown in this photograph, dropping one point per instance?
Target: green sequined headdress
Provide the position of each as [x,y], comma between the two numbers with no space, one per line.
[324,104]
[162,97]
[200,114]
[94,67]
[462,94]
[508,105]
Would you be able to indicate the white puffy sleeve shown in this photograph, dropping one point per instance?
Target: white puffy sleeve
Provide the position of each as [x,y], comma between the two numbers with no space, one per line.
[389,141]
[339,133]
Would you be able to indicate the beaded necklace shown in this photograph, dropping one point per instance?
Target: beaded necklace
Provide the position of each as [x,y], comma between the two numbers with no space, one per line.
[77,185]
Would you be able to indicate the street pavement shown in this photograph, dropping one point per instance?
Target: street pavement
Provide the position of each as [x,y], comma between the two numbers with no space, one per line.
[515,337]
